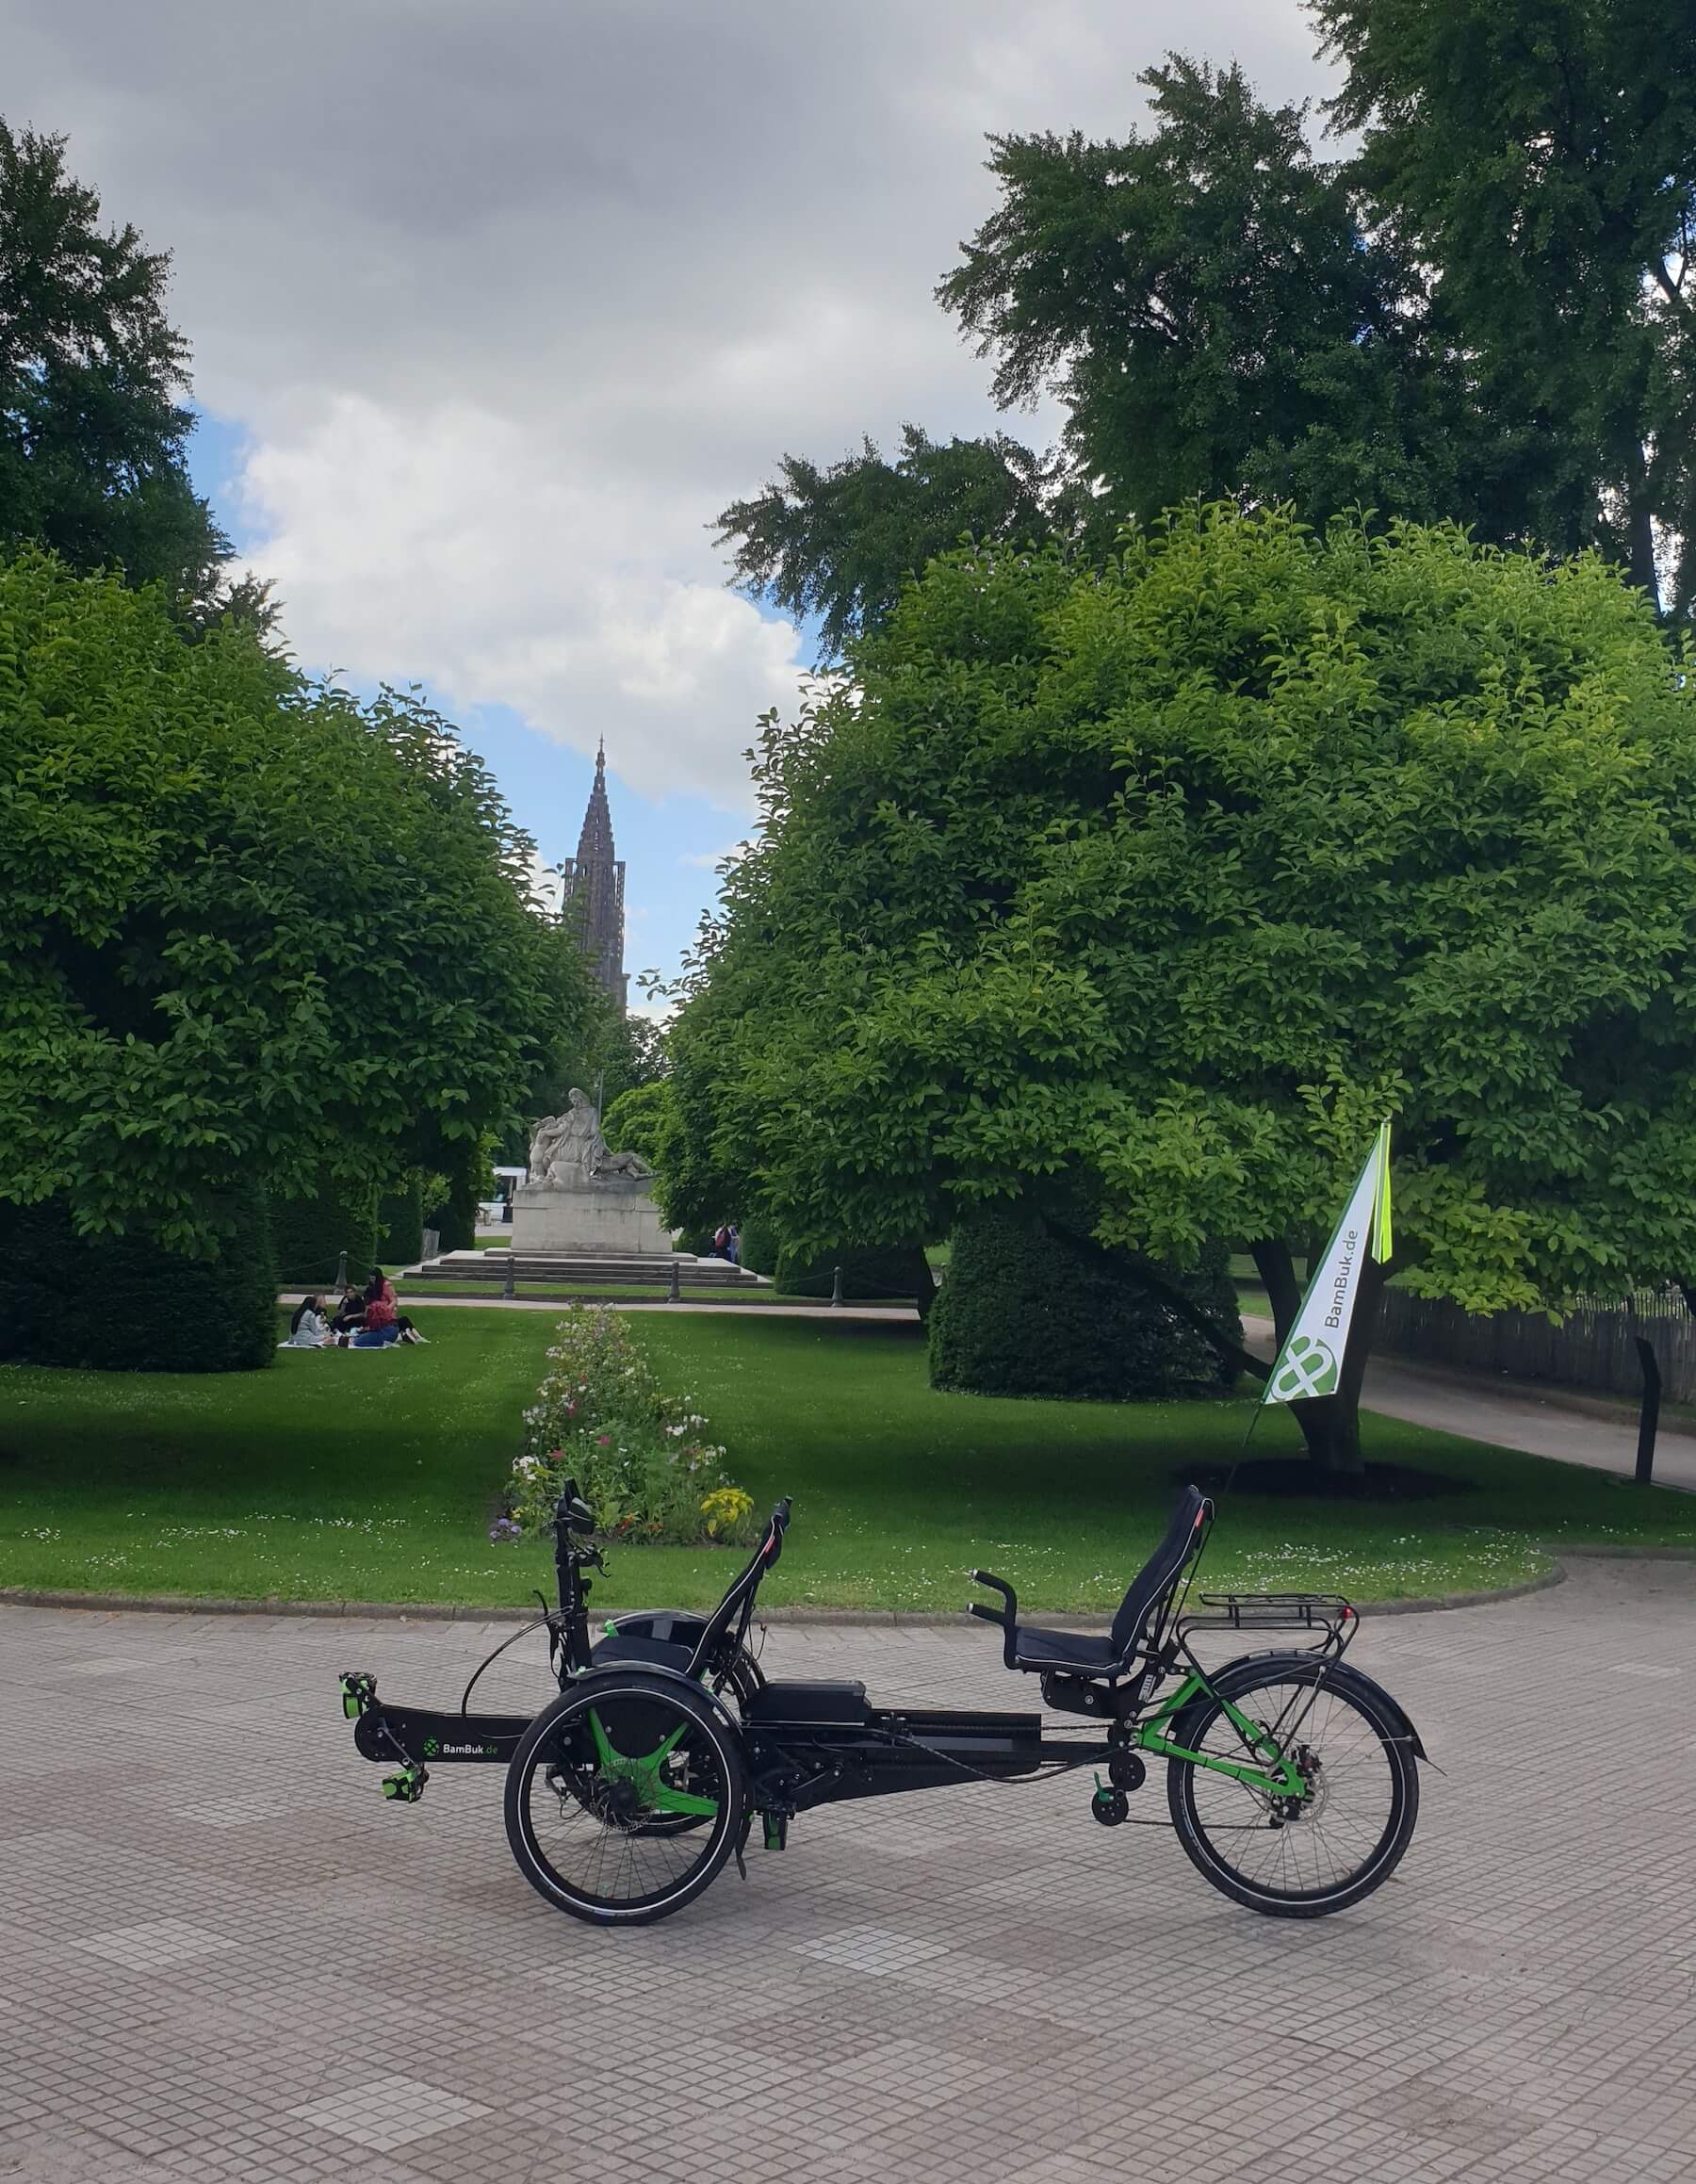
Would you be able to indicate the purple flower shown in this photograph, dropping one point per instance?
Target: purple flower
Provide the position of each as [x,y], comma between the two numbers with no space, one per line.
[505,1528]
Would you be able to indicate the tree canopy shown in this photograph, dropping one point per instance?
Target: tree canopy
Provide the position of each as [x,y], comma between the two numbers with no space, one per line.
[253,925]
[837,544]
[1540,155]
[1483,315]
[93,424]
[1138,896]
[1206,301]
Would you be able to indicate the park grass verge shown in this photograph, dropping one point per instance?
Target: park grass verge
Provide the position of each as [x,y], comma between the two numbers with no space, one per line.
[373,1476]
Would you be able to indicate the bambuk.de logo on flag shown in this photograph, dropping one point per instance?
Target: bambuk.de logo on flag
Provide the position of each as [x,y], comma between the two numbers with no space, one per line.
[1310,1360]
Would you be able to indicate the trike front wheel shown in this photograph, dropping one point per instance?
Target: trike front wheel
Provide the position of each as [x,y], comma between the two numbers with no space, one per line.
[1295,1857]
[625,1798]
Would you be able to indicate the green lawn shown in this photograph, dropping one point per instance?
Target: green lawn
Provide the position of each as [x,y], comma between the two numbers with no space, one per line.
[346,1475]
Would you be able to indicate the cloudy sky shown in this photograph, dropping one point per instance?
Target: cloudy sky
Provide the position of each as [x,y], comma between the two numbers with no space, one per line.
[495,303]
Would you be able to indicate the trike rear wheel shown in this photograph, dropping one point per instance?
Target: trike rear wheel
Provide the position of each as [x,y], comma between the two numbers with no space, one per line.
[1296,1858]
[625,1798]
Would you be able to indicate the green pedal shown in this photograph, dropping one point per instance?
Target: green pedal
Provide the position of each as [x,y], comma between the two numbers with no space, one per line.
[406,1787]
[358,1694]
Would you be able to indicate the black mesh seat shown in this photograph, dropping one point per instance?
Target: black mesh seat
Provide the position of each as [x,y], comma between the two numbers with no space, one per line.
[1063,1649]
[1040,1650]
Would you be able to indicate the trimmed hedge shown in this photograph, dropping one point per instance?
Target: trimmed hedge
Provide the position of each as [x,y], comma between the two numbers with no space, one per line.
[868,1273]
[455,1221]
[123,1304]
[400,1226]
[1028,1311]
[307,1234]
[758,1248]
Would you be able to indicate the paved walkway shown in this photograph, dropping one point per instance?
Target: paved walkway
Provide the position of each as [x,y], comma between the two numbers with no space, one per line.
[222,1956]
[1511,1417]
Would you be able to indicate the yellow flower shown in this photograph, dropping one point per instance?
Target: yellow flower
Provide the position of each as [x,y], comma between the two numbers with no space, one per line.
[728,1506]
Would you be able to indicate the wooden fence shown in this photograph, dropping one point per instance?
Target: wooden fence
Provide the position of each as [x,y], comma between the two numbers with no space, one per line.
[1593,1347]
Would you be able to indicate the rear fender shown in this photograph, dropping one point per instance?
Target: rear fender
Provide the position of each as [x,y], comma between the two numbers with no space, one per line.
[1333,1674]
[632,1681]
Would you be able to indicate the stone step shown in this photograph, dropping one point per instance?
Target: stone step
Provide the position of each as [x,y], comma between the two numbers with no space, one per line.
[596,1267]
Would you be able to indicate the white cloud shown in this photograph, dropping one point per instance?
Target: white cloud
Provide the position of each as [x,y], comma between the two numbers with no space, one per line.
[512,299]
[474,551]
[710,860]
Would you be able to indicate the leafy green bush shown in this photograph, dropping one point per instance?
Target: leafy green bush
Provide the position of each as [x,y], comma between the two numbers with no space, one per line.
[1029,1310]
[125,1304]
[309,1233]
[640,1458]
[868,1273]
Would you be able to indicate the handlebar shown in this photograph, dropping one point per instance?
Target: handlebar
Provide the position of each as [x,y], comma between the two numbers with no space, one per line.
[1005,1618]
[1008,1614]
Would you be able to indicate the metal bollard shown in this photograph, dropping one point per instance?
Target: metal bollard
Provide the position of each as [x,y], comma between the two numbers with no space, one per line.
[676,1294]
[835,1288]
[341,1272]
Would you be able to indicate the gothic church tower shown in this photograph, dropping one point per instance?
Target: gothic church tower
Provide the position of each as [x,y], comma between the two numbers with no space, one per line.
[594,884]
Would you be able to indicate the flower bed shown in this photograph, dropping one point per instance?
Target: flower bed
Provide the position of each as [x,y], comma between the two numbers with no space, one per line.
[643,1460]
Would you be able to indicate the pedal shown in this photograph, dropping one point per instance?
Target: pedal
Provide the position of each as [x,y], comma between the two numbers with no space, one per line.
[406,1787]
[776,1830]
[358,1694]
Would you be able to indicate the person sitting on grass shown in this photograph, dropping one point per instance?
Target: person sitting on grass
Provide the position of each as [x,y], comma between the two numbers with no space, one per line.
[381,1338]
[379,1303]
[349,1313]
[308,1329]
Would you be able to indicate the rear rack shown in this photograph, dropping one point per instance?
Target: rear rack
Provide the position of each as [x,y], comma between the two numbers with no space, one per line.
[1325,1611]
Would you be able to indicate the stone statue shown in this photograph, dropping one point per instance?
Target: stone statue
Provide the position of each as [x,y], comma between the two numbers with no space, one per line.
[568,1152]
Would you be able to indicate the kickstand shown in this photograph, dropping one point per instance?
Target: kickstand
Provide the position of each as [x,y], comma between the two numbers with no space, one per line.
[741,1844]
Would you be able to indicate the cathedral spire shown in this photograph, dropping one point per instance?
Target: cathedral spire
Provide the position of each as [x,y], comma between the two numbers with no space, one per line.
[594,883]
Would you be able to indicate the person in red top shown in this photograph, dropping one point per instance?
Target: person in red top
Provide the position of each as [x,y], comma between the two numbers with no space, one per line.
[380,1309]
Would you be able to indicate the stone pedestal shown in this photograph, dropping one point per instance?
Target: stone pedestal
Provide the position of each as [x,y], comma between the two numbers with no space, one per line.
[614,1214]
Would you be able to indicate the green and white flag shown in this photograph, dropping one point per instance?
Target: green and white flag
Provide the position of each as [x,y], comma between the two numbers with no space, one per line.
[1310,1362]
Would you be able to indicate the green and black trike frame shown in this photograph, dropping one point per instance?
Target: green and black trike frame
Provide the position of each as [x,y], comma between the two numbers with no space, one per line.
[1291,1776]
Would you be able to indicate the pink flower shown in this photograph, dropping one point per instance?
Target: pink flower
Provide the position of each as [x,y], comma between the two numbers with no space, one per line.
[603,1439]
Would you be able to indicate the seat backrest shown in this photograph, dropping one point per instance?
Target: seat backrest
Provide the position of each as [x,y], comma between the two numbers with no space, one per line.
[1182,1536]
[739,1597]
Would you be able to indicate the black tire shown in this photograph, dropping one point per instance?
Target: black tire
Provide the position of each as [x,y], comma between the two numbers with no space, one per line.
[1297,1863]
[581,1788]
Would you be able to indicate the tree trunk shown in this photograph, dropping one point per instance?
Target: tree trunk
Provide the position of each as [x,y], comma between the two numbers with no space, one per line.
[1640,528]
[1330,1425]
[924,1284]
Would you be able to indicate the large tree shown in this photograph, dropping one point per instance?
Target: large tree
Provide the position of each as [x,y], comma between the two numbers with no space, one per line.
[1204,297]
[253,926]
[1484,314]
[93,421]
[1135,900]
[1540,156]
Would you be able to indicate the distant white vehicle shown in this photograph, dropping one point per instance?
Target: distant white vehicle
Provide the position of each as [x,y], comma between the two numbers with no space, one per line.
[498,1212]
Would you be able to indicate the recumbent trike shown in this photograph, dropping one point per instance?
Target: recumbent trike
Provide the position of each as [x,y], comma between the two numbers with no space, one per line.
[1290,1775]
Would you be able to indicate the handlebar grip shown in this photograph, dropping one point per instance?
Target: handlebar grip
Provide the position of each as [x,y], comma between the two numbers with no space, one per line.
[995,1584]
[985,1614]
